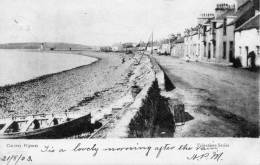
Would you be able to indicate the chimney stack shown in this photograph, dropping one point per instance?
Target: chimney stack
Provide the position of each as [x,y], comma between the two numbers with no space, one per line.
[221,8]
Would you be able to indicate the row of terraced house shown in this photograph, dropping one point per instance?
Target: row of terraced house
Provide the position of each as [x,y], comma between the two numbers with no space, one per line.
[229,36]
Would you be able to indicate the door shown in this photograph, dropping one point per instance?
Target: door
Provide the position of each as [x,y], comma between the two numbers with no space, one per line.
[246,55]
[231,51]
[209,47]
[224,49]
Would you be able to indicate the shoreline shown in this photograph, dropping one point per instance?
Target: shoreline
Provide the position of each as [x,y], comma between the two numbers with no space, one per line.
[44,76]
[61,91]
[49,74]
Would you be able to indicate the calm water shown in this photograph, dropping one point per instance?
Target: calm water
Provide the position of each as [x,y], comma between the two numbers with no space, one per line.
[17,66]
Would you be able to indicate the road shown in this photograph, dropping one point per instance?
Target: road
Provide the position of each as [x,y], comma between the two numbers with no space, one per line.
[222,101]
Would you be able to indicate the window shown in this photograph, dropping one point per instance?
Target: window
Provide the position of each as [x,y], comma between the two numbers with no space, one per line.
[231,45]
[258,50]
[204,30]
[225,27]
[224,49]
[209,50]
[240,50]
[205,48]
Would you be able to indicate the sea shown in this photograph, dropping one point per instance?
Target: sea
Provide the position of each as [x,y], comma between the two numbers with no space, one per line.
[20,65]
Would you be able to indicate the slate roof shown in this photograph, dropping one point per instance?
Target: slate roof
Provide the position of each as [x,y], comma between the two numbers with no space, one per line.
[250,24]
[244,13]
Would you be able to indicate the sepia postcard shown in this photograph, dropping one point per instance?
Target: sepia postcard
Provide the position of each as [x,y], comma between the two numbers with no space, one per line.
[129,82]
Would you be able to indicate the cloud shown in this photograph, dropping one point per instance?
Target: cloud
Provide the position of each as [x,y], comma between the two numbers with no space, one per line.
[96,22]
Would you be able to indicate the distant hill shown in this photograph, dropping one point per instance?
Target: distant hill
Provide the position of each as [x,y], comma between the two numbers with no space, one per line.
[47,45]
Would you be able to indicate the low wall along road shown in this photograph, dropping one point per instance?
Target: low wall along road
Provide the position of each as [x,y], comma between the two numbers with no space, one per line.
[149,114]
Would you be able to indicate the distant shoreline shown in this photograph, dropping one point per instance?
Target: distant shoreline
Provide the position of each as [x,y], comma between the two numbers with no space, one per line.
[48,45]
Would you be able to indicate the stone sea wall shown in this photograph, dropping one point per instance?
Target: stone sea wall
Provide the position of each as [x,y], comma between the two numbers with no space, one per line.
[149,115]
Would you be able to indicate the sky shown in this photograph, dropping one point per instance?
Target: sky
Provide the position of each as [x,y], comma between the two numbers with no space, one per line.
[97,22]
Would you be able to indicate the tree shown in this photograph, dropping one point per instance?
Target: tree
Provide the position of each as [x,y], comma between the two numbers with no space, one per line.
[172,38]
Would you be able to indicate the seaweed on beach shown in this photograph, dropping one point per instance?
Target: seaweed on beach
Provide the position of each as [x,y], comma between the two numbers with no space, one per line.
[88,99]
[3,101]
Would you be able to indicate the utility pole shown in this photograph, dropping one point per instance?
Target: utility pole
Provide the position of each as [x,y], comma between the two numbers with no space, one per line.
[146,46]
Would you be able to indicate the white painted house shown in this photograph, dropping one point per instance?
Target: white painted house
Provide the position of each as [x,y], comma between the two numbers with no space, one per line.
[213,39]
[193,44]
[117,47]
[224,46]
[164,49]
[231,32]
[178,48]
[219,35]
[247,39]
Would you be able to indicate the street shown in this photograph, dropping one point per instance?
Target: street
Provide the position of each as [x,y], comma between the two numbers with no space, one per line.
[222,100]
